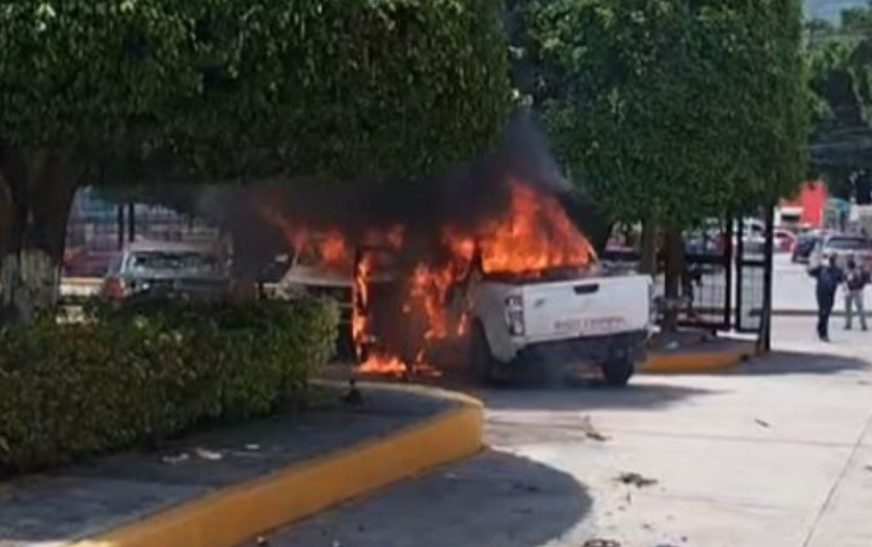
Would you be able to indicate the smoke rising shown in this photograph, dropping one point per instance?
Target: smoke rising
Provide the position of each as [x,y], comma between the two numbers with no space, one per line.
[466,197]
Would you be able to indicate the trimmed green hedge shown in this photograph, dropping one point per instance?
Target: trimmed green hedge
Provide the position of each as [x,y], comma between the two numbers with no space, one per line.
[125,377]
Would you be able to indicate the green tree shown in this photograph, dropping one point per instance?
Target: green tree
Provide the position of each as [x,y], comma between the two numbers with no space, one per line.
[122,91]
[671,110]
[668,111]
[840,79]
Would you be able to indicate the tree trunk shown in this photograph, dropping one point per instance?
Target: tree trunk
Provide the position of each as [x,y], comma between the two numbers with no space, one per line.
[36,193]
[674,251]
[31,283]
[648,249]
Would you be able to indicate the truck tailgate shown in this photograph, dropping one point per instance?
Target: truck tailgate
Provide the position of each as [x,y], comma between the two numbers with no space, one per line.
[589,307]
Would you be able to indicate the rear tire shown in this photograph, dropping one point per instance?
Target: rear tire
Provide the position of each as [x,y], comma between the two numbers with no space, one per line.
[617,372]
[482,364]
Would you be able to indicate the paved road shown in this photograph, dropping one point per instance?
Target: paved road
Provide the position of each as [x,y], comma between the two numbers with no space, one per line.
[792,288]
[777,454]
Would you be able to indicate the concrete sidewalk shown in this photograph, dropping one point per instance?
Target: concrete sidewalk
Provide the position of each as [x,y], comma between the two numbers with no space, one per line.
[114,498]
[775,453]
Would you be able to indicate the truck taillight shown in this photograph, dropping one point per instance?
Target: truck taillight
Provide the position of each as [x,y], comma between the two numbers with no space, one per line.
[515,315]
[115,288]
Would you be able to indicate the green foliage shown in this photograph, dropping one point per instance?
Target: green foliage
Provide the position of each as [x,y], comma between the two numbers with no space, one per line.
[241,89]
[840,57]
[673,111]
[70,390]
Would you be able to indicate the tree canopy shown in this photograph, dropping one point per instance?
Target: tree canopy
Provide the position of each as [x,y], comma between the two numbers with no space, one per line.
[151,91]
[840,60]
[672,111]
[218,89]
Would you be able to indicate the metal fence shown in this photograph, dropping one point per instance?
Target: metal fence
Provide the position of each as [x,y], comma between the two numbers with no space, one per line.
[99,229]
[722,287]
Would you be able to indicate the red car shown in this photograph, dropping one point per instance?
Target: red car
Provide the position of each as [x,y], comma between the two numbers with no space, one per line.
[84,262]
[784,240]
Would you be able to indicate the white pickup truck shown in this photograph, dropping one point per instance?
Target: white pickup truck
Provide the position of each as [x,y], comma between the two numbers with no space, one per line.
[558,322]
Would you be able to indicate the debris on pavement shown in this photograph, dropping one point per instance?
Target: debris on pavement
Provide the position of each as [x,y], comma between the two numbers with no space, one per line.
[176,459]
[601,543]
[868,467]
[208,455]
[353,397]
[451,476]
[590,431]
[762,423]
[635,479]
[262,541]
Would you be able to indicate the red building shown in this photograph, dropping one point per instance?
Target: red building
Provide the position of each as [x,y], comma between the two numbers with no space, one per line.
[809,206]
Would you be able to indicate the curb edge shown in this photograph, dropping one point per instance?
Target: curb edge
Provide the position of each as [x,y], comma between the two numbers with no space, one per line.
[229,516]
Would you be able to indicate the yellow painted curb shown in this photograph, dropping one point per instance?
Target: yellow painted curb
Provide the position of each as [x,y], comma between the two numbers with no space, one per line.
[698,361]
[232,515]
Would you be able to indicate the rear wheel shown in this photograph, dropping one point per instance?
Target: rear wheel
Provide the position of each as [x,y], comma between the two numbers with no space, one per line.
[617,372]
[482,364]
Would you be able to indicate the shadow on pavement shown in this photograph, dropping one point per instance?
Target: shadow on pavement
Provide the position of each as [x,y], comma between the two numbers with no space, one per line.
[634,396]
[789,362]
[493,500]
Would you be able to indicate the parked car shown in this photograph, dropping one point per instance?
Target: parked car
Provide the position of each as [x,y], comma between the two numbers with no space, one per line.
[310,276]
[784,240]
[85,262]
[162,269]
[804,246]
[842,247]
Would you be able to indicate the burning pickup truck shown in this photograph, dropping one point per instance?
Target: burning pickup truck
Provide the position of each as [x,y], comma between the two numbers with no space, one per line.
[551,322]
[556,321]
[522,294]
[518,290]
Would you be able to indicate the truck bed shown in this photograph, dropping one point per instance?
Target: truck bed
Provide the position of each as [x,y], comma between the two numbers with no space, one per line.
[587,307]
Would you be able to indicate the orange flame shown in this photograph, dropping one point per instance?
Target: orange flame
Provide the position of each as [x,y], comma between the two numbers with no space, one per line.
[389,365]
[534,235]
[333,250]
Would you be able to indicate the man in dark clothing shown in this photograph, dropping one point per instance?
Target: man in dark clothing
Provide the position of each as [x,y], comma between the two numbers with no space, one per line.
[856,280]
[828,277]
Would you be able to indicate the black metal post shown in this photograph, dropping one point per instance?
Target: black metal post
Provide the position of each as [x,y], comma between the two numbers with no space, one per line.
[120,227]
[739,252]
[768,248]
[131,222]
[728,265]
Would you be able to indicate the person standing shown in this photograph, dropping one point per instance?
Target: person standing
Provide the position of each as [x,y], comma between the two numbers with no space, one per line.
[828,277]
[856,280]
